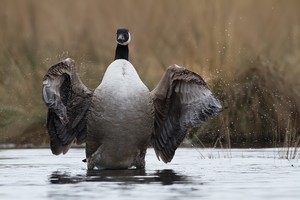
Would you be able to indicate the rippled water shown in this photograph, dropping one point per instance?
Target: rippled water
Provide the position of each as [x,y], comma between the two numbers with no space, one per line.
[193,174]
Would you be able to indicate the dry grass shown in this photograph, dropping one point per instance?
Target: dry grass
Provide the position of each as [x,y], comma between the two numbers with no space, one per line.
[248,51]
[263,109]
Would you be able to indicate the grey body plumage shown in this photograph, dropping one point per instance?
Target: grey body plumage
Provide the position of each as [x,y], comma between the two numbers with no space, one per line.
[121,117]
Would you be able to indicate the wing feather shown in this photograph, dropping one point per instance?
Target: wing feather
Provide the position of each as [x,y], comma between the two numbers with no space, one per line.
[68,101]
[182,100]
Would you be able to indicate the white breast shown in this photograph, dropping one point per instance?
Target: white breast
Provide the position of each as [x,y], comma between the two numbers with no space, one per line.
[121,78]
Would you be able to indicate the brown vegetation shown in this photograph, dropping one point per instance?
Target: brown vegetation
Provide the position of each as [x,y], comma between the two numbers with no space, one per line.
[248,51]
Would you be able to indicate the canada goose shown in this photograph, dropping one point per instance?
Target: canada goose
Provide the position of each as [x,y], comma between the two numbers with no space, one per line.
[121,117]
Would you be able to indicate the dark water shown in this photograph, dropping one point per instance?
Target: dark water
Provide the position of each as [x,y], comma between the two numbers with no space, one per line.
[193,174]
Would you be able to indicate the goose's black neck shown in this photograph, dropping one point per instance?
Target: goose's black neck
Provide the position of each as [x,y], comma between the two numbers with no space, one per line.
[122,52]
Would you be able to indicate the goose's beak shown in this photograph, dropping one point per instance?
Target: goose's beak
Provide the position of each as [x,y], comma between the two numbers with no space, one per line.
[121,38]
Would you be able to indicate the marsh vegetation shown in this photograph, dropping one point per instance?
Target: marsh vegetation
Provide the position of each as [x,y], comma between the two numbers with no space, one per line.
[248,51]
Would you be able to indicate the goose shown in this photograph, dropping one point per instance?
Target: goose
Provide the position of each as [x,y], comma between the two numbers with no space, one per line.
[121,118]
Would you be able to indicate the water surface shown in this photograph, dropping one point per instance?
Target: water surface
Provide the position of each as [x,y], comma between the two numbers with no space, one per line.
[193,174]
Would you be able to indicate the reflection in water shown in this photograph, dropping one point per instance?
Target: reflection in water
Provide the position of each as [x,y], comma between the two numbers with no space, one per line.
[165,177]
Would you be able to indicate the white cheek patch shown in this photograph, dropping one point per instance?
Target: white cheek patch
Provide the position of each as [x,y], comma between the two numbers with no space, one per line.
[129,38]
[127,42]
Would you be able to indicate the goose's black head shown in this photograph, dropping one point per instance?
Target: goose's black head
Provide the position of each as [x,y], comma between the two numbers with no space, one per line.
[123,38]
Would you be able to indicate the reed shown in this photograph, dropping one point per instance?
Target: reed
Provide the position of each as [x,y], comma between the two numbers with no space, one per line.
[290,145]
[248,52]
[261,109]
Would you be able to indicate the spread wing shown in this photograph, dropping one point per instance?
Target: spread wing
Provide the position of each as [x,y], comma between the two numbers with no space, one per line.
[68,101]
[182,100]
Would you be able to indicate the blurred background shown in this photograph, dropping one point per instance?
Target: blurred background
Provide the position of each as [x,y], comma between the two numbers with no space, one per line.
[248,52]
